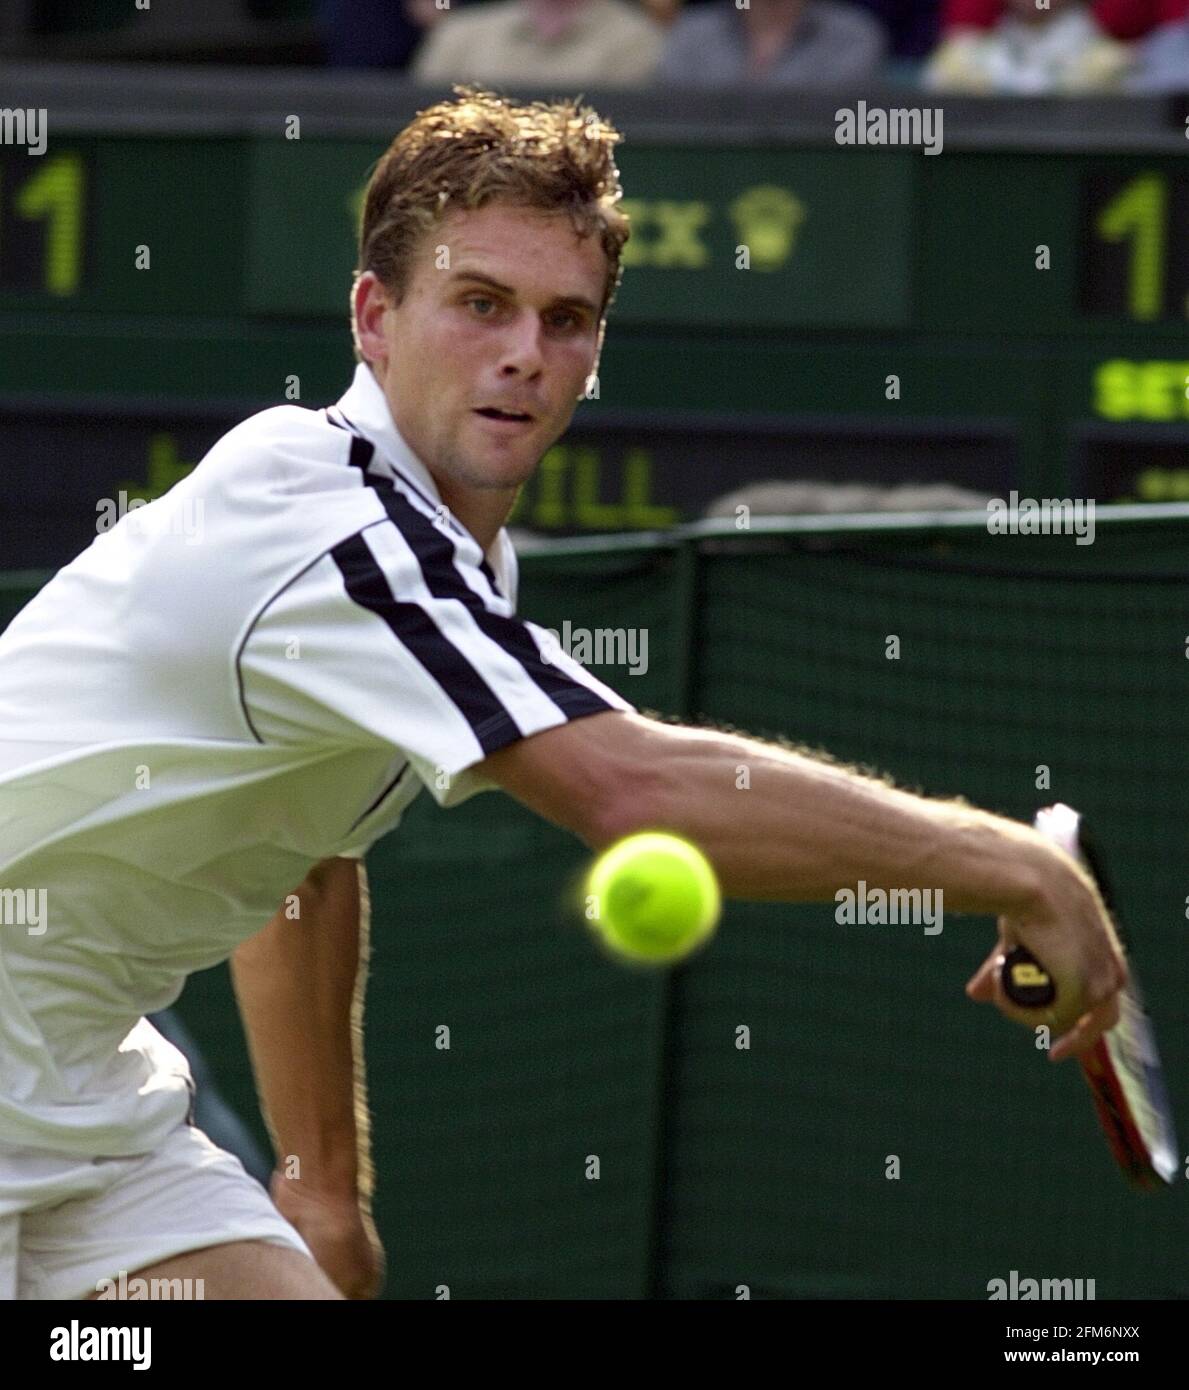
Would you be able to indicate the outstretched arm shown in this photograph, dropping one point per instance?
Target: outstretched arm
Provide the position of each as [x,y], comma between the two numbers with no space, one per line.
[299,985]
[779,824]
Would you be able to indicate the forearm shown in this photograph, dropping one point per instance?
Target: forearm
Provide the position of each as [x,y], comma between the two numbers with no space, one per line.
[298,983]
[780,824]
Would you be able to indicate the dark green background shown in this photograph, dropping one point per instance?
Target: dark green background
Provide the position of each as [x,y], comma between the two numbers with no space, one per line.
[904,266]
[886,239]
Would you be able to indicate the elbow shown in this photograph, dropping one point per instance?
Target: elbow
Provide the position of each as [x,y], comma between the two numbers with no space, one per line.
[600,778]
[636,785]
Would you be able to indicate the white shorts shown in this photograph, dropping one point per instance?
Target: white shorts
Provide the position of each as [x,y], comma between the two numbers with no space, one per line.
[66,1223]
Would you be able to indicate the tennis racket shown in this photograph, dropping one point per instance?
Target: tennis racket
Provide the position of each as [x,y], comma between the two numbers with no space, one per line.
[1123,1067]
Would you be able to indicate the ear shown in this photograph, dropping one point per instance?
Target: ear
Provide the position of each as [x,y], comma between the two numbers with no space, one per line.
[369,302]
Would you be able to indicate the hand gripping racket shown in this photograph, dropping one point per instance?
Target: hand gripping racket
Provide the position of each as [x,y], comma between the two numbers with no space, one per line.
[1123,1067]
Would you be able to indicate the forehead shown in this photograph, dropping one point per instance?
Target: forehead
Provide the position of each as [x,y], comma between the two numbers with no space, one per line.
[528,249]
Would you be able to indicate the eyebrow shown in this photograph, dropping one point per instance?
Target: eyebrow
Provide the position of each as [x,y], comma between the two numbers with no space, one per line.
[576,300]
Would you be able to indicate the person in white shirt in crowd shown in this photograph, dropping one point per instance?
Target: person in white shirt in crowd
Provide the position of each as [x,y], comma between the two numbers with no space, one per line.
[604,43]
[1057,48]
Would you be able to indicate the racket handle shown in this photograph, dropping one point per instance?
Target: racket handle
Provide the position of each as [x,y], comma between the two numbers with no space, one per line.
[1025,981]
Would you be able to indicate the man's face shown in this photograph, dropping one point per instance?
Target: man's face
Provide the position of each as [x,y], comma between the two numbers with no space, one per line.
[501,313]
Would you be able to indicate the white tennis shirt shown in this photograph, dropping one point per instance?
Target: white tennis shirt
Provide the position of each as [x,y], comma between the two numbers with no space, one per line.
[259,670]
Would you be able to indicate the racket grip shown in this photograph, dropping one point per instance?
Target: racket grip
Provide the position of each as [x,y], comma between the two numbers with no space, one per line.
[1025,981]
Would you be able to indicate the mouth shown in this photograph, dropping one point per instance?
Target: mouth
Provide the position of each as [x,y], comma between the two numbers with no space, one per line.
[505,417]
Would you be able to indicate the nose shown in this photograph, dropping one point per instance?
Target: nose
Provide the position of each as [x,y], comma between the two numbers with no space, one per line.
[520,350]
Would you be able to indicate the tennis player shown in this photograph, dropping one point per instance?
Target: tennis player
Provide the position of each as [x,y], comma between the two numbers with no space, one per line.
[202,731]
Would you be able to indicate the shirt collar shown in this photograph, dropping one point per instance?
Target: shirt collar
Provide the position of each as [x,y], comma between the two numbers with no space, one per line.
[365,408]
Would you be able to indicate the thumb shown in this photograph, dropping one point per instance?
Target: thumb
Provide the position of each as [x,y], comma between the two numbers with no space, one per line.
[983,985]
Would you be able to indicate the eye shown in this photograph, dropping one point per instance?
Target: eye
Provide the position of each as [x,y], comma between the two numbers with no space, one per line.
[481,299]
[566,318]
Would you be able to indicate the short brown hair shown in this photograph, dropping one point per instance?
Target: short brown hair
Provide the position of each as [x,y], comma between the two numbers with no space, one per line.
[479,147]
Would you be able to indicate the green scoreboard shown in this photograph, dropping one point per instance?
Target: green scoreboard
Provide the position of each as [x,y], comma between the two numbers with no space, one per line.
[749,239]
[738,239]
[1006,314]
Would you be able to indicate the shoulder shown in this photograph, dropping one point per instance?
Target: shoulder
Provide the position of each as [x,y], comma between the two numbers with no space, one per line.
[289,422]
[279,463]
[292,431]
[279,423]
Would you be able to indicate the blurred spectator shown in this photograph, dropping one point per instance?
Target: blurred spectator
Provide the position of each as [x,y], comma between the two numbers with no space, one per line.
[912,26]
[604,42]
[1132,19]
[773,43]
[1060,49]
[665,12]
[373,33]
[1121,19]
[1162,60]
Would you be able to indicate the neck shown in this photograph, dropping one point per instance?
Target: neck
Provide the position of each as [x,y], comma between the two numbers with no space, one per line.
[483,513]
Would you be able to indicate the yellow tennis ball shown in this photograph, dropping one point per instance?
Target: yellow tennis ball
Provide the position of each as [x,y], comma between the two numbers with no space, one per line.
[652,897]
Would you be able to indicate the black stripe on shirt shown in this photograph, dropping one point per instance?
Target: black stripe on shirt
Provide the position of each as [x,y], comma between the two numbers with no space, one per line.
[435,554]
[362,451]
[412,626]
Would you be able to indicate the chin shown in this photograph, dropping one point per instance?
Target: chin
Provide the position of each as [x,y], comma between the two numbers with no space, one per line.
[496,474]
[514,477]
[505,467]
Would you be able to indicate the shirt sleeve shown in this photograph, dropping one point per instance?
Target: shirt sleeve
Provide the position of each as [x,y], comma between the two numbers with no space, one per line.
[401,636]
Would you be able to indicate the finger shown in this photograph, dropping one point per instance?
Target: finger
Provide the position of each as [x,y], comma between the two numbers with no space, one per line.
[981,987]
[1087,1031]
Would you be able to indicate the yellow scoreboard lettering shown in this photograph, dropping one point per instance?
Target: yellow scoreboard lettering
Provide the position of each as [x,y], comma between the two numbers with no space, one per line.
[550,509]
[551,506]
[1162,485]
[1137,215]
[165,467]
[768,219]
[675,240]
[54,195]
[639,511]
[1155,391]
[589,512]
[667,235]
